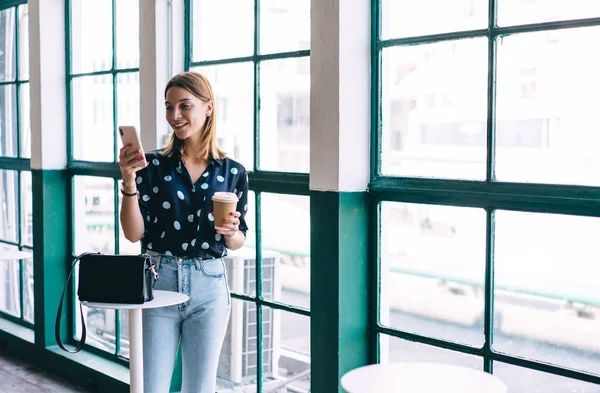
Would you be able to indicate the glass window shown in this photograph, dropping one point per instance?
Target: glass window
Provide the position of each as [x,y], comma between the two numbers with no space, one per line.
[552,118]
[485,183]
[16,224]
[516,12]
[432,270]
[543,271]
[403,18]
[260,71]
[434,110]
[105,92]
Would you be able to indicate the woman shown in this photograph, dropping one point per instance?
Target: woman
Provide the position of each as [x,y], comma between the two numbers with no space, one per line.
[167,205]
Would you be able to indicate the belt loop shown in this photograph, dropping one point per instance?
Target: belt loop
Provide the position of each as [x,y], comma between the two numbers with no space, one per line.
[198,263]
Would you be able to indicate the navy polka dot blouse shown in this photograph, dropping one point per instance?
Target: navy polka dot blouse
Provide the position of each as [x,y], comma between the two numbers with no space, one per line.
[177,213]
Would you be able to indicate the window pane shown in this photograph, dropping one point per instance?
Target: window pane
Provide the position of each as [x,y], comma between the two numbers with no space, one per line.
[8,121]
[233,86]
[286,253]
[26,209]
[7,45]
[93,129]
[285,115]
[547,121]
[284,26]
[241,264]
[434,110]
[545,273]
[523,380]
[237,363]
[403,18]
[124,315]
[393,349]
[25,125]
[94,214]
[286,348]
[9,205]
[91,35]
[222,29]
[23,42]
[128,33]
[10,273]
[28,304]
[515,12]
[433,270]
[128,101]
[100,324]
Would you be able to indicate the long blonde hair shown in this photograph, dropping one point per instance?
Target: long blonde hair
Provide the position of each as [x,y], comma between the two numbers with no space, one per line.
[198,85]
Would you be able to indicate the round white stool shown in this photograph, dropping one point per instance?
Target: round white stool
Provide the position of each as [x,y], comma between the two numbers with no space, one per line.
[136,363]
[420,377]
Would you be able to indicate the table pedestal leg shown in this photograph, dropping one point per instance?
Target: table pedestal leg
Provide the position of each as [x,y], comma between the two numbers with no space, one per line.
[136,360]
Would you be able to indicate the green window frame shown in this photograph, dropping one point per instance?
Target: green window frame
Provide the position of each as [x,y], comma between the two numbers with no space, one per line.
[100,170]
[19,165]
[489,194]
[260,181]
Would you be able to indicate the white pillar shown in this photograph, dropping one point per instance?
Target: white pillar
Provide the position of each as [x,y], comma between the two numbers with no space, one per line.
[340,95]
[47,84]
[161,56]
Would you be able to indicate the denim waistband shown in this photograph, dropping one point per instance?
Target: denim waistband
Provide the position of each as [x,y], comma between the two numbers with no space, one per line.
[158,259]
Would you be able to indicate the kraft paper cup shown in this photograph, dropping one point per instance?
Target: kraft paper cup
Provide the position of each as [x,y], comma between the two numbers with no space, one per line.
[224,203]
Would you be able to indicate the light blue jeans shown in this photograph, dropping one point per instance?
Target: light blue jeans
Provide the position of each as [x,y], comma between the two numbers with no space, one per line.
[199,324]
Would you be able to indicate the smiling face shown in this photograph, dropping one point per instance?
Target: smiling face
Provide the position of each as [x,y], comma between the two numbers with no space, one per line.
[186,113]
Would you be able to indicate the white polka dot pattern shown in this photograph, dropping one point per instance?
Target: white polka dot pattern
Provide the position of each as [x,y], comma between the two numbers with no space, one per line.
[180,210]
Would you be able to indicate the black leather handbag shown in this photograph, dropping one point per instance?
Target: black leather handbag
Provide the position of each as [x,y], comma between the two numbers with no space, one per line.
[124,279]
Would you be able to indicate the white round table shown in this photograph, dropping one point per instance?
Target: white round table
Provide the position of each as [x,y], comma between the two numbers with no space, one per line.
[420,377]
[10,255]
[136,361]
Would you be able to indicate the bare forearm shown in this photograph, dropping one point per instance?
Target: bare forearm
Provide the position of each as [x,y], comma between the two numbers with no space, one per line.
[236,241]
[132,221]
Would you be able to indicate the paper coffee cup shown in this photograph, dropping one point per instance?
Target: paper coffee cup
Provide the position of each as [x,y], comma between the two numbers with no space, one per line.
[224,203]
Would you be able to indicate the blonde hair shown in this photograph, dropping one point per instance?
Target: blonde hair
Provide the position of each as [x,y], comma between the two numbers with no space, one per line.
[199,86]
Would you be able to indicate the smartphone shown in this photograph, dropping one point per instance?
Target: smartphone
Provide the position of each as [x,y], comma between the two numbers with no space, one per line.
[129,134]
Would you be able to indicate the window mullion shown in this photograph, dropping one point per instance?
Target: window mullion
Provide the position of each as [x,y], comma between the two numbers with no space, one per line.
[488,324]
[491,95]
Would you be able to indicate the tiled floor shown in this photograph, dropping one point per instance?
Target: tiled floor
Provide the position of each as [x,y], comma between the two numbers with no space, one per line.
[17,376]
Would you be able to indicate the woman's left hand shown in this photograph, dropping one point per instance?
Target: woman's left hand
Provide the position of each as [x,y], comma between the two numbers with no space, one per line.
[232,222]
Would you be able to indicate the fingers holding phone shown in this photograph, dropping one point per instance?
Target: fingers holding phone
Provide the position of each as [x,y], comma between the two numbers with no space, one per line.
[131,155]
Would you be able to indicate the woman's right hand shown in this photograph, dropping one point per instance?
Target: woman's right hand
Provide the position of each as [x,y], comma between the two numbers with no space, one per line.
[130,161]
